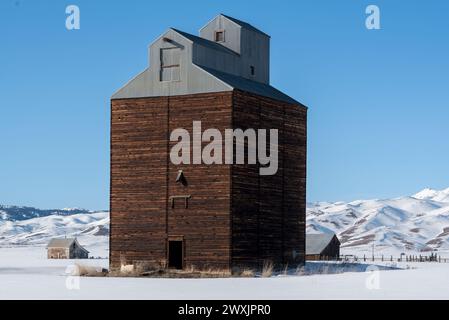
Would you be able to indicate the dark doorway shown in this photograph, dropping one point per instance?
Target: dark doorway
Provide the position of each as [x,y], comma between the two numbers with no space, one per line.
[175,254]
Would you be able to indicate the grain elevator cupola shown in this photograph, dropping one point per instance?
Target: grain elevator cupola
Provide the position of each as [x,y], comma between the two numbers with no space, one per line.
[228,54]
[251,44]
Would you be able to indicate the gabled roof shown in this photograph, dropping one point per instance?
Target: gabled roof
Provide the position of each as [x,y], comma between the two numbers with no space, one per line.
[316,243]
[250,86]
[208,79]
[63,243]
[244,24]
[204,42]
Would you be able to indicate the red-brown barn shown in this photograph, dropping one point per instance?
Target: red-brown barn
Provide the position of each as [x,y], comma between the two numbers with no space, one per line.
[221,215]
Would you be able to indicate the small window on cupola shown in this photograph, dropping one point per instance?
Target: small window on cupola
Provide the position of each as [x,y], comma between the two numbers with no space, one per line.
[252,70]
[220,36]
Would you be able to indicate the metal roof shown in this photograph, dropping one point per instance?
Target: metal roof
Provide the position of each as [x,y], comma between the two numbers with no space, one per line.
[316,243]
[61,243]
[250,86]
[245,25]
[204,42]
[208,66]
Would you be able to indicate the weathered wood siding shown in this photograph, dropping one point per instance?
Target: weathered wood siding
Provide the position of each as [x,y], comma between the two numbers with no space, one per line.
[294,183]
[235,217]
[138,180]
[245,190]
[205,224]
[74,252]
[57,253]
[332,251]
[143,180]
[77,252]
[268,212]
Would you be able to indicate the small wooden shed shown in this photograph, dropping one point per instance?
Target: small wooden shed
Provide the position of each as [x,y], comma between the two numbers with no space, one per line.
[67,248]
[325,246]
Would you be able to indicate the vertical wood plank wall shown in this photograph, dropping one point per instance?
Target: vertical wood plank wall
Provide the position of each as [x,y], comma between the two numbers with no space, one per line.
[235,217]
[143,180]
[269,212]
[138,180]
[205,224]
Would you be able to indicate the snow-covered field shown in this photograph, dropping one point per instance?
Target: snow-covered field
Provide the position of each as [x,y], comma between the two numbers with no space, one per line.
[412,225]
[25,273]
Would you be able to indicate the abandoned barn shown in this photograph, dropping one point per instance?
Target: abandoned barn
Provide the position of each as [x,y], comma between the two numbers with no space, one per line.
[325,246]
[216,216]
[67,248]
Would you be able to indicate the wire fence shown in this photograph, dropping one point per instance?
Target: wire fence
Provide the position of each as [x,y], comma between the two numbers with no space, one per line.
[385,258]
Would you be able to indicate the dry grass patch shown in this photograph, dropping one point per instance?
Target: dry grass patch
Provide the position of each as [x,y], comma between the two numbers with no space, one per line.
[156,270]
[247,273]
[267,269]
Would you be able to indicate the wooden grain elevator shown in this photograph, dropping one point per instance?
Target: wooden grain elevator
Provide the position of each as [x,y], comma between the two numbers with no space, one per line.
[225,216]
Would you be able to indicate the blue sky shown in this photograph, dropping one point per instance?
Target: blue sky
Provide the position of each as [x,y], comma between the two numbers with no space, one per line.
[378,99]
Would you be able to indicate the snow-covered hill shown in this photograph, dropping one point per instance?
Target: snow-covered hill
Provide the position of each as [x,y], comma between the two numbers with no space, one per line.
[414,224]
[31,226]
[435,195]
[14,213]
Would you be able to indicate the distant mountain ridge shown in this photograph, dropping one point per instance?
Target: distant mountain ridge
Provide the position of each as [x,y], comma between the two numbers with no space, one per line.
[411,224]
[15,213]
[31,226]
